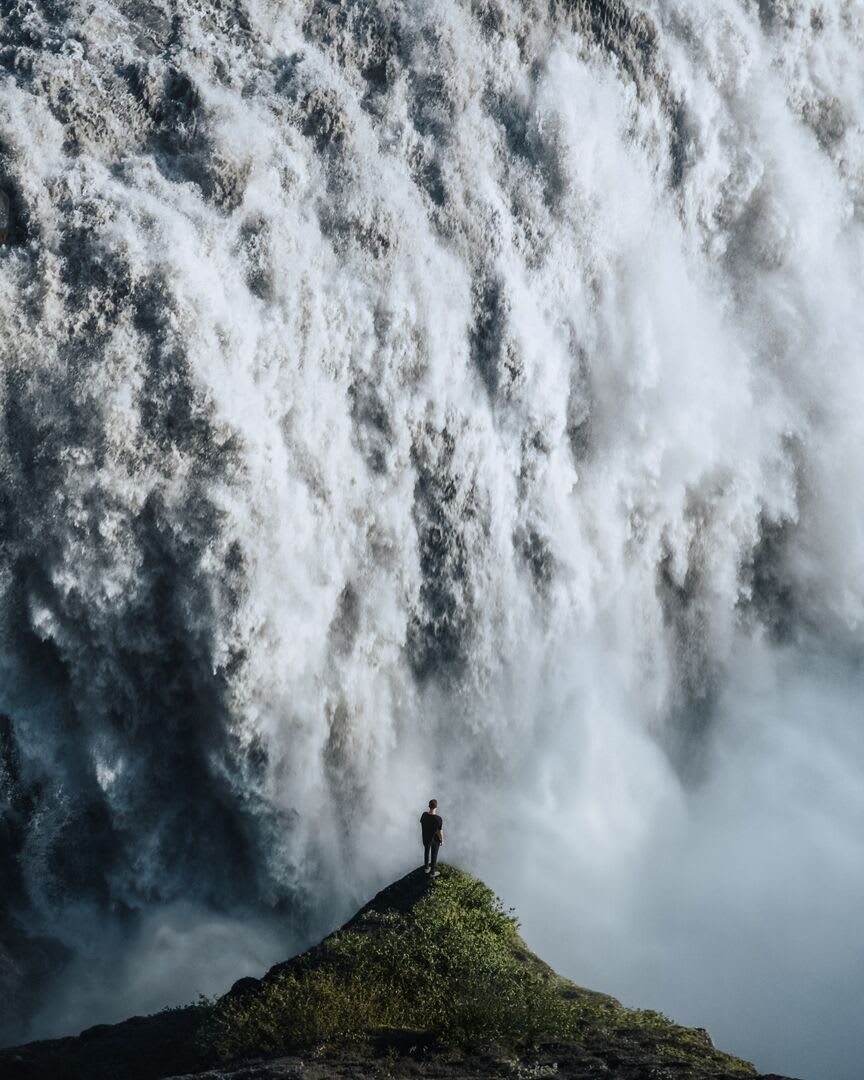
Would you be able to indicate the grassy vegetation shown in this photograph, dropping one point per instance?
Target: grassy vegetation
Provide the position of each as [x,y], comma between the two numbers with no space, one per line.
[451,963]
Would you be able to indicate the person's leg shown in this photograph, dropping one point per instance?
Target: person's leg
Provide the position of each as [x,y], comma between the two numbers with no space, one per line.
[426,856]
[434,857]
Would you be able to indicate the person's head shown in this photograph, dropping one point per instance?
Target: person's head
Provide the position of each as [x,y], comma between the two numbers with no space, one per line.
[433,805]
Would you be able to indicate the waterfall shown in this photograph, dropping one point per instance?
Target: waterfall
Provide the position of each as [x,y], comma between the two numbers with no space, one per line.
[434,397]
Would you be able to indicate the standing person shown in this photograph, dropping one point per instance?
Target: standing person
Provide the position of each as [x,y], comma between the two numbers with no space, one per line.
[432,825]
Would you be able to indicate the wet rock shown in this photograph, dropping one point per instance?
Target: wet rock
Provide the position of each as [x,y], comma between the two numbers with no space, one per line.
[5,216]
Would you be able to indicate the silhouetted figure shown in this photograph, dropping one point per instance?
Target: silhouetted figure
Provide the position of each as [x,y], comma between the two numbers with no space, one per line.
[432,825]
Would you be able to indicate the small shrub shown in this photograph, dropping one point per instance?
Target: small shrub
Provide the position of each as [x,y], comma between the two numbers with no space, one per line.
[519,1071]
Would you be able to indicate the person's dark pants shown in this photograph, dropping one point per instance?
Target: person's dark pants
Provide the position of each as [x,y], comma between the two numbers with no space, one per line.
[433,848]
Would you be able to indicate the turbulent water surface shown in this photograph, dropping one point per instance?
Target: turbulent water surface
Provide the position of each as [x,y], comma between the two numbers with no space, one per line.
[454,397]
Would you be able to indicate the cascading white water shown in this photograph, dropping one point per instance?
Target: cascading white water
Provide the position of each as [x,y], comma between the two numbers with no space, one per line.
[435,397]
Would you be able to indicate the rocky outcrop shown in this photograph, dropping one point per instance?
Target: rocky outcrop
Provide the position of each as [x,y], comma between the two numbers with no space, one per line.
[612,1043]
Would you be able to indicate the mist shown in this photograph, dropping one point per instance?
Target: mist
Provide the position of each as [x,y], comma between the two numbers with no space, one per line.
[729,905]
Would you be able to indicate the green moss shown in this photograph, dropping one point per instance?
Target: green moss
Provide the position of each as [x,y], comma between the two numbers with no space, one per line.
[448,961]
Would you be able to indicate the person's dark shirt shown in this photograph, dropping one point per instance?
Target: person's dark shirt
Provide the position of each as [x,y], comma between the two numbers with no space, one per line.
[430,824]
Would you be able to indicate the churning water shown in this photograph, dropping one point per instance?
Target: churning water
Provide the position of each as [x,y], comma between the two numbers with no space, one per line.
[453,397]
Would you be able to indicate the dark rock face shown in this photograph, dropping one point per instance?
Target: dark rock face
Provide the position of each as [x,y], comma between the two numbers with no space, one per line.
[13,219]
[141,1048]
[547,1063]
[5,216]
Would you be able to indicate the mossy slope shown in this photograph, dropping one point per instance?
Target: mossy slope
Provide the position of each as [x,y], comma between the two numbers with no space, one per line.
[444,960]
[431,977]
